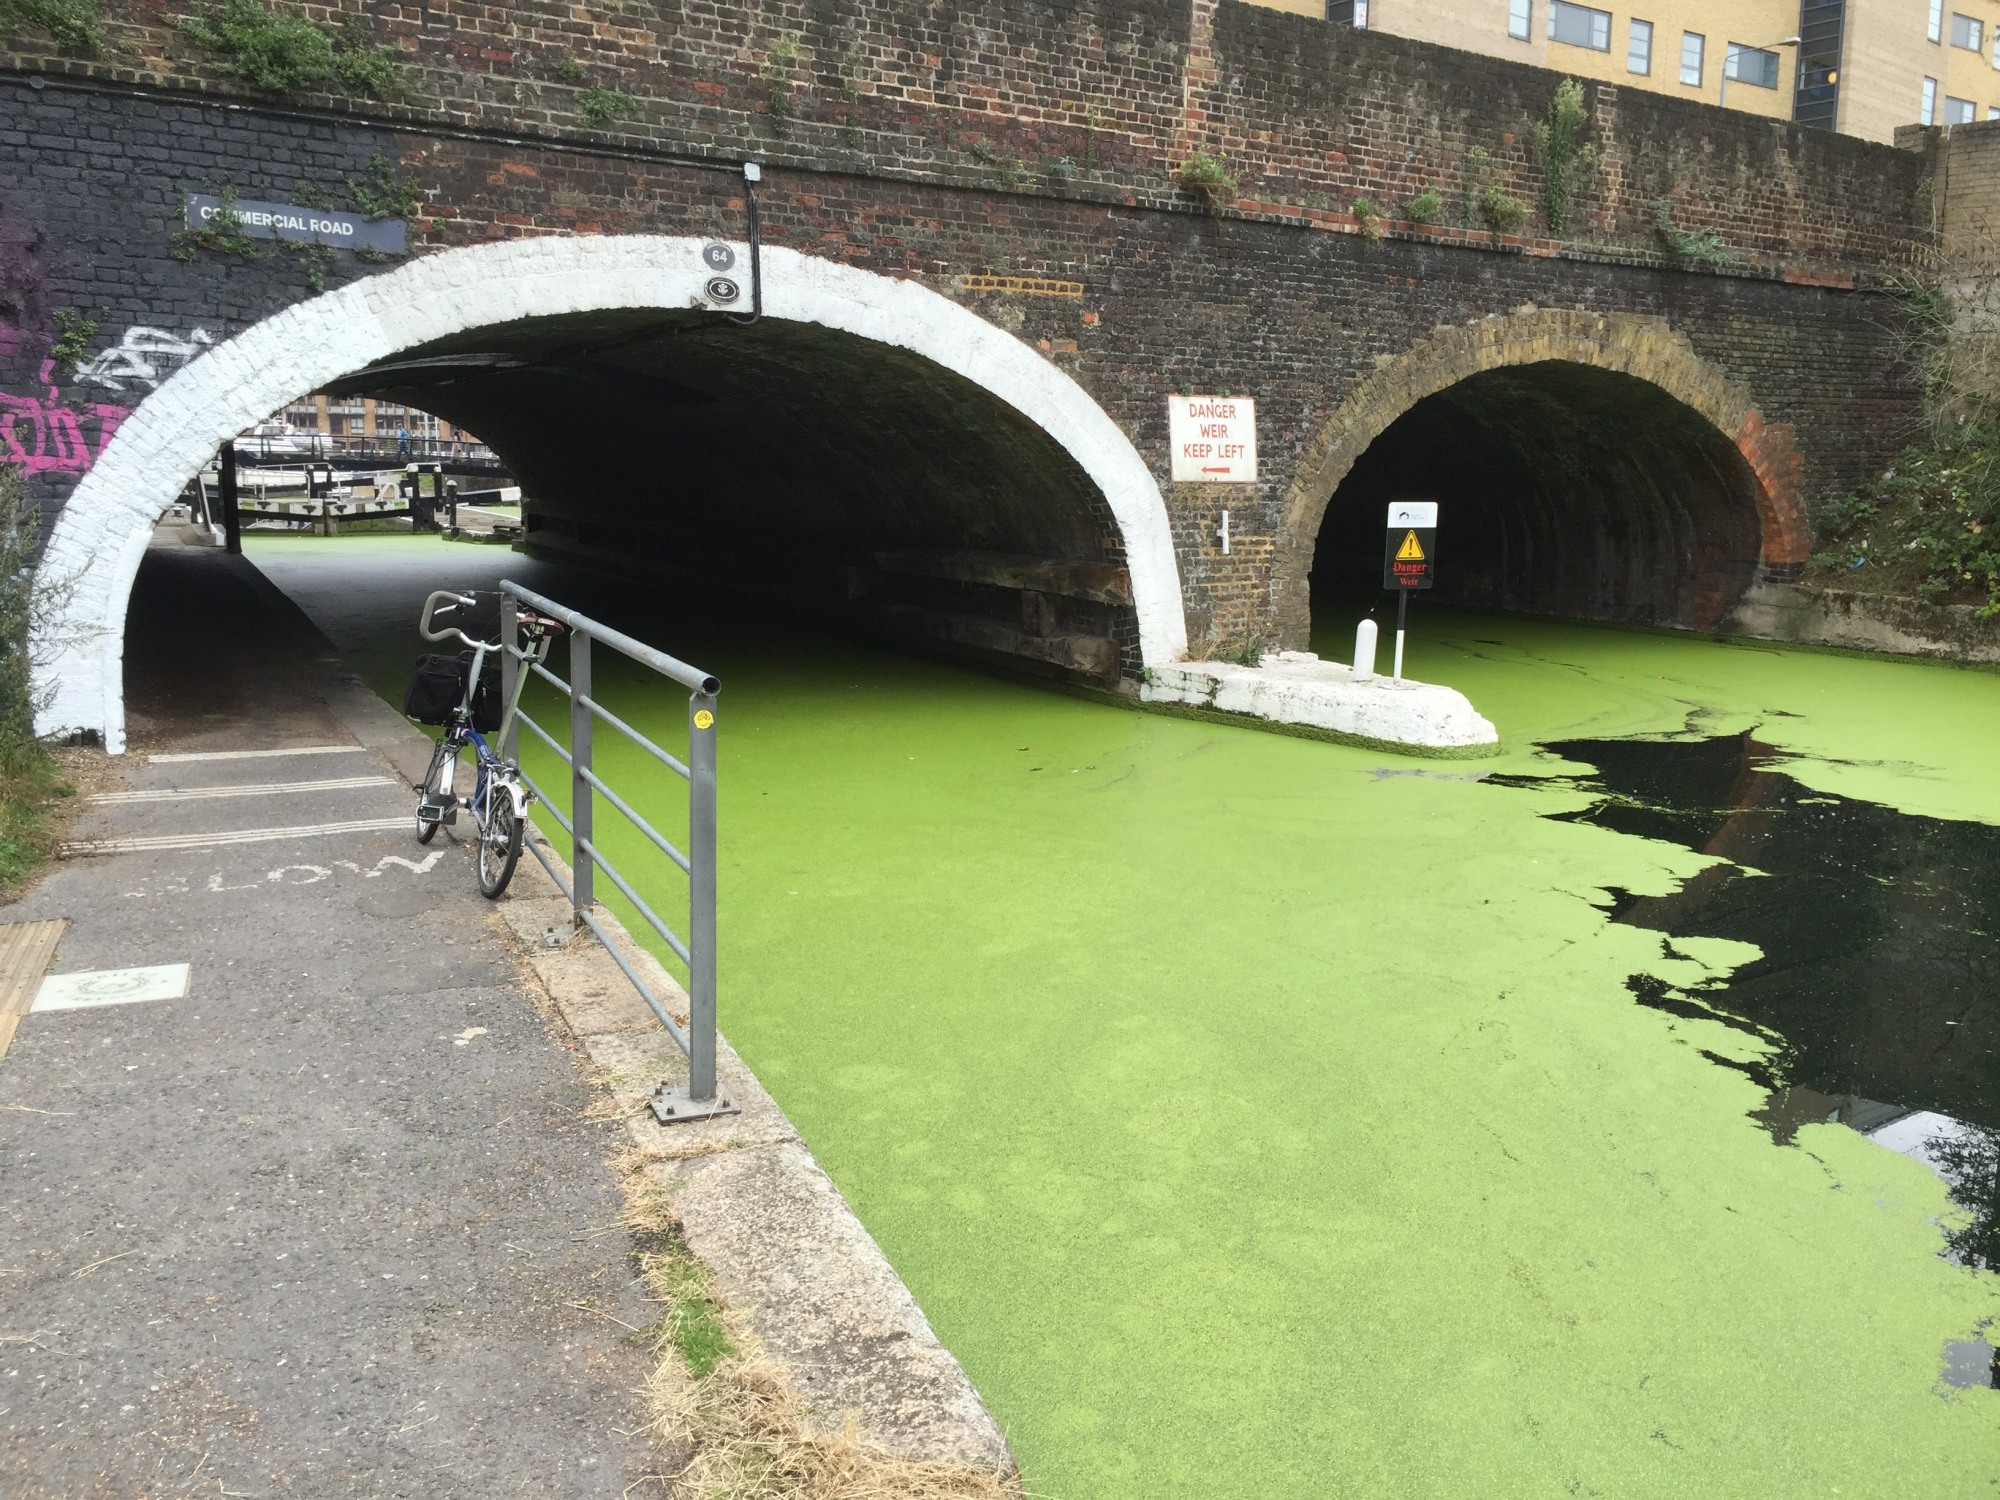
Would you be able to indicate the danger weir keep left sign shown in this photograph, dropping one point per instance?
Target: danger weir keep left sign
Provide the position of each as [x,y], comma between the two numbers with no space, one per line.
[1214,438]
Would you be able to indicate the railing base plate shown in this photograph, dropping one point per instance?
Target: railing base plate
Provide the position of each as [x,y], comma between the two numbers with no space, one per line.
[672,1106]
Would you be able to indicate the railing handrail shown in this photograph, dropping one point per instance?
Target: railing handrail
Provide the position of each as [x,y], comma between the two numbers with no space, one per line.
[692,678]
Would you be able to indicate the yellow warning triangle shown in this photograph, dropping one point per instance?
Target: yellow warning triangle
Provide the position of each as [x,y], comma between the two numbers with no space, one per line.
[1410,551]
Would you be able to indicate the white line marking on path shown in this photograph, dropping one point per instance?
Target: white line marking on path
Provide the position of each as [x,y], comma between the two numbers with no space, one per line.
[170,760]
[244,789]
[112,987]
[164,841]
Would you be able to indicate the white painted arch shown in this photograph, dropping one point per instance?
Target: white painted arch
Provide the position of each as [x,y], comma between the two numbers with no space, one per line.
[102,532]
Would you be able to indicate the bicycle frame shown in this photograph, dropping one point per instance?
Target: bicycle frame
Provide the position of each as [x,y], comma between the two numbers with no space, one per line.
[488,765]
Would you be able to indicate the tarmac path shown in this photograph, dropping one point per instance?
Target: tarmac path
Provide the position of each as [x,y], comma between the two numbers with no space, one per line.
[334,1221]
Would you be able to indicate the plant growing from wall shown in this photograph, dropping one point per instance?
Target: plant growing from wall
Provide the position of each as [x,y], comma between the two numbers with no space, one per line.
[1501,213]
[73,24]
[569,70]
[1699,247]
[1366,219]
[283,53]
[74,331]
[604,106]
[1477,164]
[1209,179]
[778,65]
[383,192]
[1558,146]
[1425,207]
[223,234]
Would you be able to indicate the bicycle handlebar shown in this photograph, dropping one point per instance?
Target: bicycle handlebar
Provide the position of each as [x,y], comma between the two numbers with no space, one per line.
[430,609]
[528,618]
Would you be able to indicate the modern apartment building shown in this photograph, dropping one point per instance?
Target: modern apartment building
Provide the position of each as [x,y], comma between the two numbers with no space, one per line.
[1863,67]
[351,418]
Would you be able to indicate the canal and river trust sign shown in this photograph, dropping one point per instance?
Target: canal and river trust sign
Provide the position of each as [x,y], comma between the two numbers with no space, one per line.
[302,225]
[1409,560]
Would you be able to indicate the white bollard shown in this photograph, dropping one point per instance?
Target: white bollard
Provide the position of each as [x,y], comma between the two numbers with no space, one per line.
[1364,651]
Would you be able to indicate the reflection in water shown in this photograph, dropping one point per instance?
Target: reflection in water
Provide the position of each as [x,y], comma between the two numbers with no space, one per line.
[1880,974]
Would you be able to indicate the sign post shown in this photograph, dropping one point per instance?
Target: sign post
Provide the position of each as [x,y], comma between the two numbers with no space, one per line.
[1409,559]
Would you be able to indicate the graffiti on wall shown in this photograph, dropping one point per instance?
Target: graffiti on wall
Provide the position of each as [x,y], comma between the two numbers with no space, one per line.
[44,434]
[144,357]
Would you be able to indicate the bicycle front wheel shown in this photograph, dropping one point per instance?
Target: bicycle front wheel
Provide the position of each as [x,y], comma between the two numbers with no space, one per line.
[434,796]
[499,843]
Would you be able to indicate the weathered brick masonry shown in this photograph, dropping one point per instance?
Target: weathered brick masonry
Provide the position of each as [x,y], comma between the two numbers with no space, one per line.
[937,143]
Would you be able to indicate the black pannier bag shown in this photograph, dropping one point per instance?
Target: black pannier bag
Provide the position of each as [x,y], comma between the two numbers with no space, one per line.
[439,687]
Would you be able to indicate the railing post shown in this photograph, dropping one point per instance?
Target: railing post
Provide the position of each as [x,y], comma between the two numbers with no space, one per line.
[701,897]
[581,800]
[232,519]
[510,672]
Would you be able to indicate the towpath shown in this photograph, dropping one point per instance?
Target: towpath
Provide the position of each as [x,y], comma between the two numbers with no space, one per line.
[336,1220]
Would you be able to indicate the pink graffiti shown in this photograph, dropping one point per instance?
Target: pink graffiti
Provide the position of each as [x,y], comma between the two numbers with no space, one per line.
[45,435]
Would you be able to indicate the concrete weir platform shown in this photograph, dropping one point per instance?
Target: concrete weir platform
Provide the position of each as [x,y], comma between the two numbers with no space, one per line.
[1325,697]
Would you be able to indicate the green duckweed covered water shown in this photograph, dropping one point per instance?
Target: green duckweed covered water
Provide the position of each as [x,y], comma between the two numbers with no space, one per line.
[1252,1117]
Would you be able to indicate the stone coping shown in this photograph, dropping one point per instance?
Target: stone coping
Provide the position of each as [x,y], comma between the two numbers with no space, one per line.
[1297,688]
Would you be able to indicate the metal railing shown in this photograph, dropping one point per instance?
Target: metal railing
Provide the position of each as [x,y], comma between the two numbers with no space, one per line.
[701,1098]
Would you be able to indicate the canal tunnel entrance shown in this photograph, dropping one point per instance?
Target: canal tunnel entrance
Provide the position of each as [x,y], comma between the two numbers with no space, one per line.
[864,447]
[797,464]
[1566,490]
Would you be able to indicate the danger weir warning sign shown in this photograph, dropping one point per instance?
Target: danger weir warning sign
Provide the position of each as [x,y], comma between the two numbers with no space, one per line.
[1214,439]
[1410,558]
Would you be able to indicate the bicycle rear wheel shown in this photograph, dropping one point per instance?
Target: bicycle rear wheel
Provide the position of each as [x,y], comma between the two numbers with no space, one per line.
[499,843]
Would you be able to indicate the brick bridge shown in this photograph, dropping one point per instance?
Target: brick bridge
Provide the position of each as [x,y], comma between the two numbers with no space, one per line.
[982,280]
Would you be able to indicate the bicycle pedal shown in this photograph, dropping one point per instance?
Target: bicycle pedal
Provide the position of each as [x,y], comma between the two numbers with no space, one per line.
[439,810]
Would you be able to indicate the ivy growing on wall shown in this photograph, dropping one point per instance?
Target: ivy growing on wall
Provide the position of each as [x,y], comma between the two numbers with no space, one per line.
[1558,145]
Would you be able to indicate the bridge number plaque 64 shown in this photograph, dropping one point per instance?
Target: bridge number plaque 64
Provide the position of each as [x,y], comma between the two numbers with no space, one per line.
[1214,439]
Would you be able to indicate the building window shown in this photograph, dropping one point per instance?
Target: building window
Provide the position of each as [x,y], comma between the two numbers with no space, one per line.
[1751,65]
[1936,26]
[1817,76]
[1579,26]
[1521,18]
[1959,112]
[1966,32]
[1691,45]
[1639,48]
[1929,115]
[1993,111]
[1349,13]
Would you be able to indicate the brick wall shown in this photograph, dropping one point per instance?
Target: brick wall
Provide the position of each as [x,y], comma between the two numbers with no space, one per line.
[942,144]
[1102,98]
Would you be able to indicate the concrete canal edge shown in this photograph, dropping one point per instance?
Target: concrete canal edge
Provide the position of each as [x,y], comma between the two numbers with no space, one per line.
[1297,692]
[789,1258]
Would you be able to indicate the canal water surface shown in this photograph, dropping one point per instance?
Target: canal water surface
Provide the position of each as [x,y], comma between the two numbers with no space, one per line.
[1260,1117]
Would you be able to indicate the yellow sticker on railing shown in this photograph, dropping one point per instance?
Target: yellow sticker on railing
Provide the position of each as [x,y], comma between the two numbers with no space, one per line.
[703,719]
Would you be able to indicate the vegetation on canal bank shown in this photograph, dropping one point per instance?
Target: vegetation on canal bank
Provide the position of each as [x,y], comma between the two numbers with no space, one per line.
[31,784]
[1930,527]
